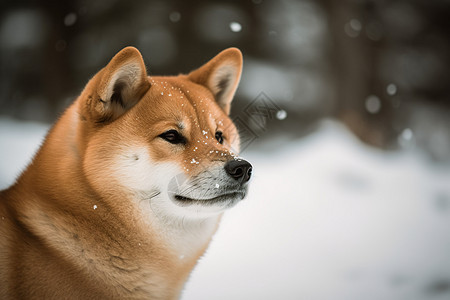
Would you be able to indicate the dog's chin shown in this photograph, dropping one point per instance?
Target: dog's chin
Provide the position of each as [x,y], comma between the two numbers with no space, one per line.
[225,200]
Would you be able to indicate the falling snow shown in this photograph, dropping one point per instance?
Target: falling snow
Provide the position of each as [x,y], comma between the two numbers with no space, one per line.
[353,28]
[373,104]
[406,138]
[391,89]
[281,114]
[174,16]
[70,19]
[235,27]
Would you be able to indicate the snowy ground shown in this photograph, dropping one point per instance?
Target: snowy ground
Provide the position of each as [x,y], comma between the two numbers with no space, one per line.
[326,218]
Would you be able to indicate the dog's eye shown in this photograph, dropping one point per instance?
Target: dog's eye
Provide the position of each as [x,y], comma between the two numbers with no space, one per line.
[173,137]
[219,137]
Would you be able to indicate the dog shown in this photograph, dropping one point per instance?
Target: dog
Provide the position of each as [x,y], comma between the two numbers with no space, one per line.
[128,187]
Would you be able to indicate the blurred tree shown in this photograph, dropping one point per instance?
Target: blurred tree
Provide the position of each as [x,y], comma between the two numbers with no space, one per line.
[359,98]
[386,57]
[58,68]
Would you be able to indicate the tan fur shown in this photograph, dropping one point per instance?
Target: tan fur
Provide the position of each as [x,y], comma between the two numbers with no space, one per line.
[79,222]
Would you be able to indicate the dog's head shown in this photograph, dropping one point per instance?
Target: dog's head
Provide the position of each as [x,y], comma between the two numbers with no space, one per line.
[167,142]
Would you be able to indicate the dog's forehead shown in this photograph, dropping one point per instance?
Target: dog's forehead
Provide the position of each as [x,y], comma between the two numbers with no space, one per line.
[189,104]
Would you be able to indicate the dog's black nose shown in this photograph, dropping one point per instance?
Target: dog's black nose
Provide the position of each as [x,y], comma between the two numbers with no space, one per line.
[239,169]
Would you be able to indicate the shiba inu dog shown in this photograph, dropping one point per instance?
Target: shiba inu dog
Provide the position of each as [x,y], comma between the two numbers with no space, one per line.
[128,187]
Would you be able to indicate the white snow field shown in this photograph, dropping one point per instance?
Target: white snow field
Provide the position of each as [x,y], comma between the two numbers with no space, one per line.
[326,218]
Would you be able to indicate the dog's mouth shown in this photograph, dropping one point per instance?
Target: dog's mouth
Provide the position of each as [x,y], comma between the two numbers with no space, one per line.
[231,198]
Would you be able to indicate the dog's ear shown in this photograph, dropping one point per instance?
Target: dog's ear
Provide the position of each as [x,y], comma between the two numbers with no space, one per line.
[221,76]
[118,86]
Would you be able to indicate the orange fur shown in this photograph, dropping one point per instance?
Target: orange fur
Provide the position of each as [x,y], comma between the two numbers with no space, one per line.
[81,221]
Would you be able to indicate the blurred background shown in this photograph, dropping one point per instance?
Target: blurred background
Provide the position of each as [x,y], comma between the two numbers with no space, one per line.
[359,89]
[381,67]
